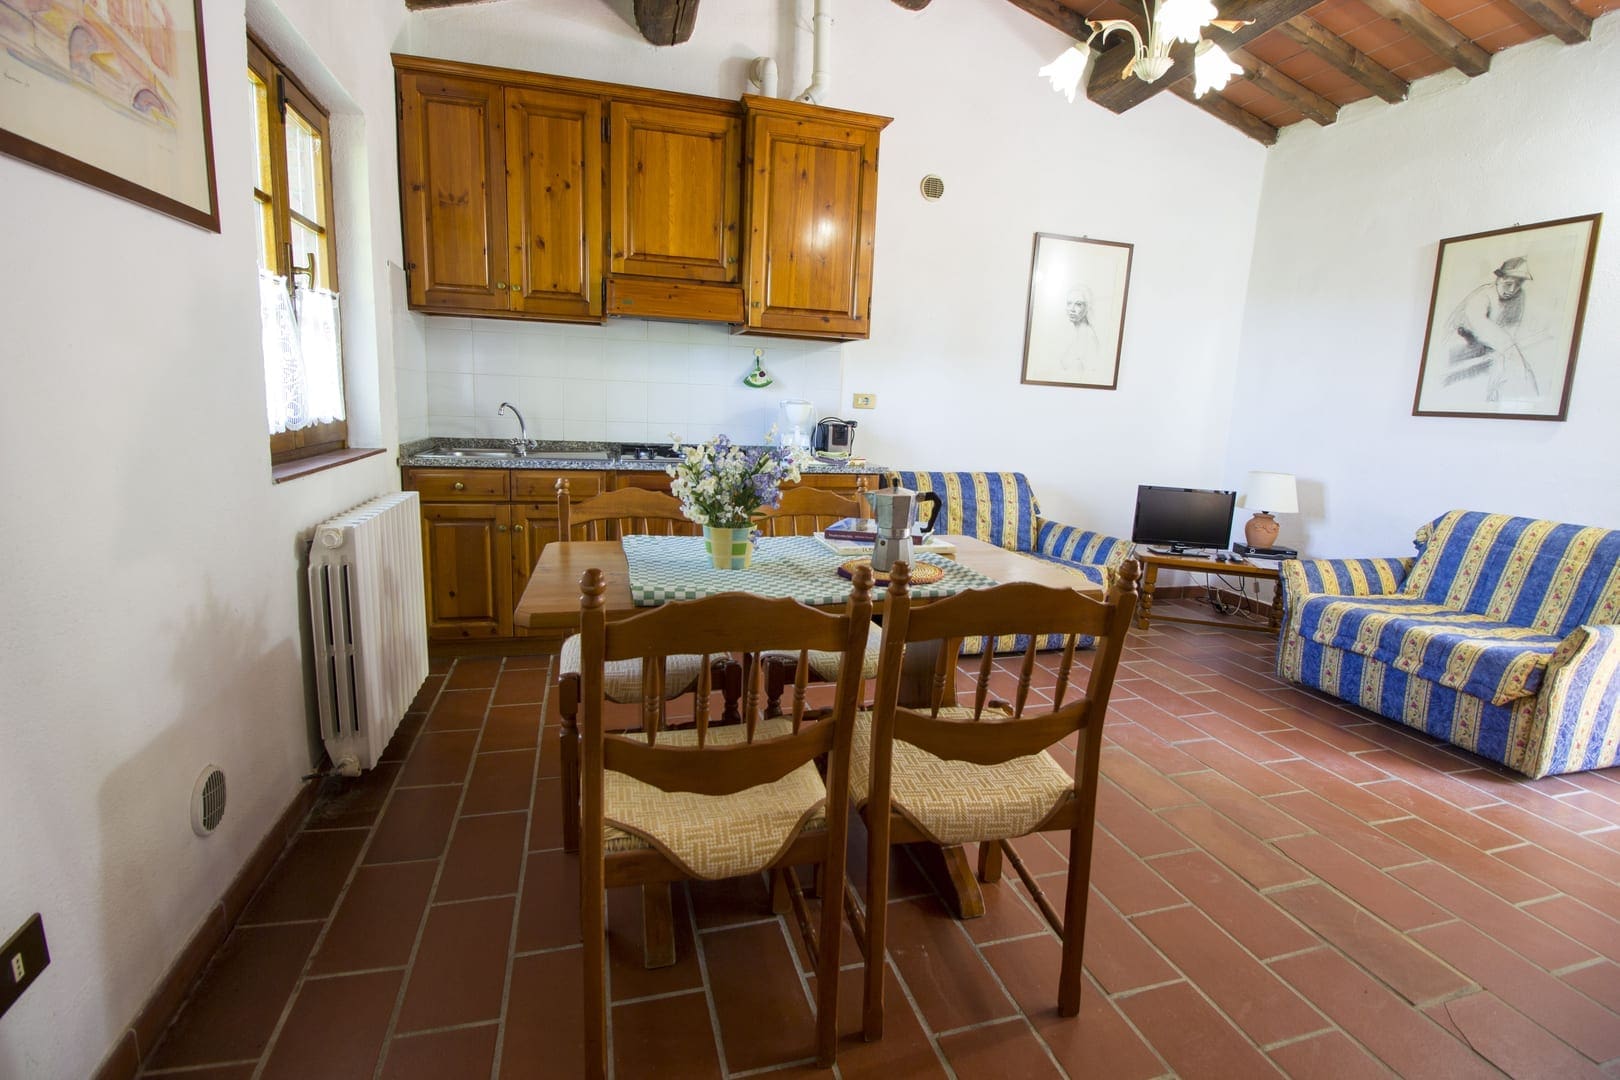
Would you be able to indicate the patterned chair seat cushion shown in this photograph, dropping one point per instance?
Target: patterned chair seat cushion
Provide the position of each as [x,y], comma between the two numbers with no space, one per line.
[826,664]
[715,836]
[621,679]
[959,802]
[1471,653]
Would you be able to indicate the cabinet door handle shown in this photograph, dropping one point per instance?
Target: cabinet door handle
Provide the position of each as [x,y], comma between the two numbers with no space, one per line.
[458,486]
[517,528]
[516,287]
[500,528]
[500,285]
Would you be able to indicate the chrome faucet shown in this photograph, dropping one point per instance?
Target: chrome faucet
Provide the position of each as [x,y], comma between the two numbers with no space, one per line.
[520,445]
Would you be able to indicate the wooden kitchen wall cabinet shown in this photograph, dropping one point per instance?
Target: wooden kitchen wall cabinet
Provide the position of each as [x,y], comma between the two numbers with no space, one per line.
[811,216]
[554,203]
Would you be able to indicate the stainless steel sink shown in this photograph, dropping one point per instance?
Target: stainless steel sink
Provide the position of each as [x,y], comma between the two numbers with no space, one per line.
[476,452]
[544,455]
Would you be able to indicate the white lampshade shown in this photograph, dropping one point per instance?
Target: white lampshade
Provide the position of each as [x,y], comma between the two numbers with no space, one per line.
[1067,70]
[1274,492]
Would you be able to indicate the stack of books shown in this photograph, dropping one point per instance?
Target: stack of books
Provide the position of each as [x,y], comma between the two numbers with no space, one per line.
[855,536]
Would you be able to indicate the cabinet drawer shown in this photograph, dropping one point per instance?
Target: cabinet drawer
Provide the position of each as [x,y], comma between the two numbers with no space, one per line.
[650,299]
[646,481]
[457,485]
[531,485]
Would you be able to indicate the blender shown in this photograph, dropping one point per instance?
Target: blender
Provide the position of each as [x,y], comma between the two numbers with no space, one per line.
[798,417]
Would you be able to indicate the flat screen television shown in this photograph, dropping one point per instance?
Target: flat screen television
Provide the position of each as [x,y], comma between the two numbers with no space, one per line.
[1182,519]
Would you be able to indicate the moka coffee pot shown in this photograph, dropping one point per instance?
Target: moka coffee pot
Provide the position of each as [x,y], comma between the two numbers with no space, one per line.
[895,510]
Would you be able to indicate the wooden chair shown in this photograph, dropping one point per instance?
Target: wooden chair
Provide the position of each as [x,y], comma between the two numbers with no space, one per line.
[610,516]
[960,775]
[803,511]
[710,803]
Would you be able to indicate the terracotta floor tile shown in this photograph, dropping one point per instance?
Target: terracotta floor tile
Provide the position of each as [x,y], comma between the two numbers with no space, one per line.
[468,674]
[460,967]
[484,858]
[550,764]
[1006,1050]
[523,686]
[352,802]
[758,998]
[1252,860]
[1259,779]
[1461,824]
[1116,953]
[1152,789]
[548,913]
[1409,970]
[1418,752]
[1346,795]
[1590,927]
[336,1027]
[950,983]
[905,1049]
[511,727]
[215,1072]
[731,901]
[1362,882]
[436,1055]
[1164,675]
[1251,744]
[1262,1006]
[550,1042]
[1543,806]
[1039,853]
[1191,1036]
[1488,871]
[1585,1025]
[1351,768]
[1328,1056]
[528,660]
[546,828]
[1600,982]
[1557,870]
[1130,884]
[1171,729]
[1258,924]
[1521,929]
[375,926]
[1407,1041]
[1135,827]
[1256,815]
[1153,750]
[1351,833]
[403,739]
[440,757]
[502,781]
[1164,698]
[415,825]
[458,710]
[1513,1042]
[424,696]
[234,1009]
[1008,911]
[305,882]
[629,976]
[671,1037]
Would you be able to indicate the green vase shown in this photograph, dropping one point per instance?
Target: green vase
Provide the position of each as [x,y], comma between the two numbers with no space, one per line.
[729,549]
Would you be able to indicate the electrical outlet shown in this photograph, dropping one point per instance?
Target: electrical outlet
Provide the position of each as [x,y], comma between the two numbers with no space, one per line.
[865,401]
[22,959]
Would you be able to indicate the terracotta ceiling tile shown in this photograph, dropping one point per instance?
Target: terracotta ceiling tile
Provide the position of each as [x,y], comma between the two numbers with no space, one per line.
[1481,21]
[1451,9]
[1507,37]
[1419,69]
[1401,53]
[1305,68]
[1338,87]
[1375,36]
[1344,15]
[1274,49]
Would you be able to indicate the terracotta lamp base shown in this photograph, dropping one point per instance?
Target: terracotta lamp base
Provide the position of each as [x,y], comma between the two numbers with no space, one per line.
[1260,531]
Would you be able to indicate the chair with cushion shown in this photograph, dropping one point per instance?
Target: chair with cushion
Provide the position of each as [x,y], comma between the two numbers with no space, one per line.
[710,803]
[609,516]
[803,511]
[984,774]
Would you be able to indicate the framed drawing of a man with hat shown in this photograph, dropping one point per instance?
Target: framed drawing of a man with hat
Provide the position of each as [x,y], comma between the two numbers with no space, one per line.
[1505,321]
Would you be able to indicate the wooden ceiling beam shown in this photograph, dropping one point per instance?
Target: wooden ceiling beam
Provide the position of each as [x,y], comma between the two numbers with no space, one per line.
[1116,94]
[1559,18]
[1445,40]
[1284,88]
[666,22]
[1217,106]
[1054,14]
[1344,57]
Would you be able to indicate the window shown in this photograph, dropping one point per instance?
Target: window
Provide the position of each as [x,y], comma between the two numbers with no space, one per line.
[292,201]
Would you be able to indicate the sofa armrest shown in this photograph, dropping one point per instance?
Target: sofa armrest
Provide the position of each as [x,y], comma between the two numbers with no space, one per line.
[1081,546]
[1338,577]
[1578,709]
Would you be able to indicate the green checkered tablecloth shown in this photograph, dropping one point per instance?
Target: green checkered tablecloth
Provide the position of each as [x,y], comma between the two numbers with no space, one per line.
[796,567]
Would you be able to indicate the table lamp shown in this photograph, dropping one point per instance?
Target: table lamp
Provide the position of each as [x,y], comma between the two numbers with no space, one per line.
[1275,491]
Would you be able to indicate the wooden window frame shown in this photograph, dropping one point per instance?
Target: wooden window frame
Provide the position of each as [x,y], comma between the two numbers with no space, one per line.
[284,88]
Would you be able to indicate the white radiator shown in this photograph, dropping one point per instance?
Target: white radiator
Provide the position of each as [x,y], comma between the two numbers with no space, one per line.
[369,621]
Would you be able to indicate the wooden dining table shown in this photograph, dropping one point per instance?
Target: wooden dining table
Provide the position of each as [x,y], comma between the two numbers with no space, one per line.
[549,609]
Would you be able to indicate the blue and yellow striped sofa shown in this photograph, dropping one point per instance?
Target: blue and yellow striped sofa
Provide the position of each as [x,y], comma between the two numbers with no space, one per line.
[999,508]
[1500,637]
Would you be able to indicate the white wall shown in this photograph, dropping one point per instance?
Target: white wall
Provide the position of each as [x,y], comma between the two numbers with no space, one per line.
[151,619]
[1350,224]
[951,277]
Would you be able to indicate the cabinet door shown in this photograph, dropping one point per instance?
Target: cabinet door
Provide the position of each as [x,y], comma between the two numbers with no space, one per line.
[453,190]
[674,192]
[812,210]
[534,525]
[554,203]
[467,552]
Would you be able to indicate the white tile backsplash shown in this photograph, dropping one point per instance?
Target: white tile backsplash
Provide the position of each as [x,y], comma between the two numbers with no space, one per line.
[632,380]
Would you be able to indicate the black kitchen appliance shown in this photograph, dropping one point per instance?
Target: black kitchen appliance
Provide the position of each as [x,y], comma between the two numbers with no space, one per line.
[834,438]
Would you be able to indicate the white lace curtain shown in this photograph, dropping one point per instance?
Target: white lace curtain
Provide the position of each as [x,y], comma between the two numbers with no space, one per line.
[303,365]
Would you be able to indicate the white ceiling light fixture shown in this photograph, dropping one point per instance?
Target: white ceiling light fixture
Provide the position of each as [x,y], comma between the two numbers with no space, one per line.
[1169,21]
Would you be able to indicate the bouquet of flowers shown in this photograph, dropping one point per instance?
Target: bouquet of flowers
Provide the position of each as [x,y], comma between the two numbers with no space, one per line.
[722,484]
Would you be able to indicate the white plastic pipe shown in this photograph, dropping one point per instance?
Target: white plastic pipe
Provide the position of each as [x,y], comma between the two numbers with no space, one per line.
[816,92]
[762,73]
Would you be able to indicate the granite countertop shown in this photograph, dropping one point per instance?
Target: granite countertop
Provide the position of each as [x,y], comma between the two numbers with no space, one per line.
[558,454]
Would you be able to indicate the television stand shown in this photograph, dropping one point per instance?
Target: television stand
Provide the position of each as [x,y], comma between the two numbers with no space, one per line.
[1153,561]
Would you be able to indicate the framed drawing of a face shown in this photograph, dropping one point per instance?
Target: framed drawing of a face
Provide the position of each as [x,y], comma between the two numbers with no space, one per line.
[1505,321]
[1076,317]
[113,93]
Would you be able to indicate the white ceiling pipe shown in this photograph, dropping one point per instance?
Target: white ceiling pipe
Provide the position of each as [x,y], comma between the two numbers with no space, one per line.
[816,92]
[762,73]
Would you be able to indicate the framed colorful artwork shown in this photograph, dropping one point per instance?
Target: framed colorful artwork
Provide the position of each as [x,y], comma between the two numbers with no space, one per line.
[1505,321]
[1075,321]
[112,93]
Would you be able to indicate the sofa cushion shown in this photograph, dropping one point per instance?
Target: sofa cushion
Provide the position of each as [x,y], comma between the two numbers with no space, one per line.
[1092,572]
[1544,575]
[1057,541]
[996,507]
[1463,651]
